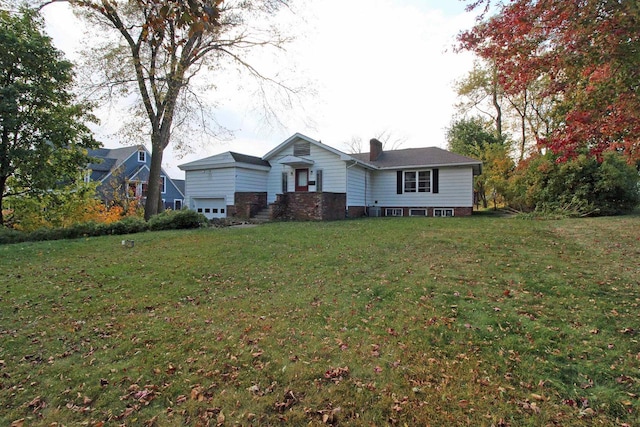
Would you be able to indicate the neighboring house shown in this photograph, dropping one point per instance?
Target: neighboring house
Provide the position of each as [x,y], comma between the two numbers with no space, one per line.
[305,179]
[124,172]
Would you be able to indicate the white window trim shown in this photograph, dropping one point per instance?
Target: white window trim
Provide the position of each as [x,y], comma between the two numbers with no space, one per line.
[181,201]
[164,184]
[417,181]
[411,212]
[142,156]
[393,212]
[443,212]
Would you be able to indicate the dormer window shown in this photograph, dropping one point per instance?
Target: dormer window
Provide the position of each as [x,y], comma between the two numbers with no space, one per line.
[142,156]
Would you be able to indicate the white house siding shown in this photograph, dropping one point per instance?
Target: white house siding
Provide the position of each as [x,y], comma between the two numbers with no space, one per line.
[249,180]
[358,186]
[455,190]
[333,172]
[210,183]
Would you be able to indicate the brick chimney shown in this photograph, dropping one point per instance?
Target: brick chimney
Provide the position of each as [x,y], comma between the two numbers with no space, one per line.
[375,149]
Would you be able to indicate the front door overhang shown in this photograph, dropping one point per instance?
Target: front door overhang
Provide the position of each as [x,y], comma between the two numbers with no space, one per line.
[296,162]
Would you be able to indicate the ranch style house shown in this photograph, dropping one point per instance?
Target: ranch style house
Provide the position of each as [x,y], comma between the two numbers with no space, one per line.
[304,179]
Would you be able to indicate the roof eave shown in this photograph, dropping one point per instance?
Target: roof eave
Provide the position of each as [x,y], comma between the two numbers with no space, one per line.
[474,165]
[188,167]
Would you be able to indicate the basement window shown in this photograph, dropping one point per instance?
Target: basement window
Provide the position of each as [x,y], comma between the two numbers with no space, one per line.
[442,212]
[417,212]
[393,212]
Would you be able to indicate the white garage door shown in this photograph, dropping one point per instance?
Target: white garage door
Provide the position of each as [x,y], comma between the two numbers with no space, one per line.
[211,208]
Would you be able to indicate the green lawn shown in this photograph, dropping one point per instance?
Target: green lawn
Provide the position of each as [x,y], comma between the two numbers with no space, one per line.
[409,321]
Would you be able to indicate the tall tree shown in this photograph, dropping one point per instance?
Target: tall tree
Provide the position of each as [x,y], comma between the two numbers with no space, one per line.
[43,136]
[587,52]
[481,92]
[474,137]
[162,45]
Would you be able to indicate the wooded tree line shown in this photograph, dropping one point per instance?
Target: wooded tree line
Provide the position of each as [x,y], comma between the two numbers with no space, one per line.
[555,93]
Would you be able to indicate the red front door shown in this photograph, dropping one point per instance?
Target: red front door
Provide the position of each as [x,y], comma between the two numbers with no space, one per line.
[302,179]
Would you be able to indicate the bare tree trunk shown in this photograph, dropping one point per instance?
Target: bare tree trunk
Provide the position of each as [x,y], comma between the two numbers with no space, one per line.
[153,186]
[2,184]
[494,100]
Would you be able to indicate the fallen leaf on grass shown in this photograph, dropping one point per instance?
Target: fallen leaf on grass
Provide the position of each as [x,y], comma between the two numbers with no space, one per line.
[337,374]
[329,415]
[290,399]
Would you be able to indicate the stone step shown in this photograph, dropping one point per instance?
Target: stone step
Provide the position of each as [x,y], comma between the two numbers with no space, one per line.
[263,215]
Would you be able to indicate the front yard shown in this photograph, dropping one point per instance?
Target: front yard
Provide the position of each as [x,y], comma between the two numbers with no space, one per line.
[416,321]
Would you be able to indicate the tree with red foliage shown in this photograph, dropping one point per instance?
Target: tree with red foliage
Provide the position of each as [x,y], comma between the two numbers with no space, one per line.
[588,54]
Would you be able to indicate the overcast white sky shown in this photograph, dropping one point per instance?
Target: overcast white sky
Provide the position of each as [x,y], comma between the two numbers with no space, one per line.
[376,65]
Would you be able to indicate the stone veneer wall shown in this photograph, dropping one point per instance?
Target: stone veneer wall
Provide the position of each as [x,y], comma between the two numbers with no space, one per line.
[310,206]
[248,204]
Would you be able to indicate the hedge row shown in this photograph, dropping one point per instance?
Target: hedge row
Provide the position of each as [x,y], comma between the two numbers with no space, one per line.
[168,220]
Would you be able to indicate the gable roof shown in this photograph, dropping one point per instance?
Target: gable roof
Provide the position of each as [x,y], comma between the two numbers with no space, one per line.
[419,157]
[227,159]
[252,160]
[299,136]
[296,136]
[111,159]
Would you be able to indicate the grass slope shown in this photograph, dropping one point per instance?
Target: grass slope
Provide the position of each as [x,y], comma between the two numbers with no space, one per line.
[413,321]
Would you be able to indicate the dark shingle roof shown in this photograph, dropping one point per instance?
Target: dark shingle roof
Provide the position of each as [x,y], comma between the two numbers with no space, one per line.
[110,159]
[179,183]
[245,158]
[412,157]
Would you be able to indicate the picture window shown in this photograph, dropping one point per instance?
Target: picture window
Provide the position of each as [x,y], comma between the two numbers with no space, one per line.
[417,181]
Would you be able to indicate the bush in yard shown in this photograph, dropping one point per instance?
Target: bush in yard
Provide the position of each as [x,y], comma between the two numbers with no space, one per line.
[10,235]
[174,220]
[128,225]
[581,186]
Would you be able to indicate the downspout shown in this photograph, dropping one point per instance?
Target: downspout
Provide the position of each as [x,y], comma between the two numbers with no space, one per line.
[347,182]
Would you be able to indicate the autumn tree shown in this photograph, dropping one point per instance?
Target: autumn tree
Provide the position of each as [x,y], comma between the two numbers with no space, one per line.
[585,53]
[43,136]
[159,49]
[473,137]
[479,91]
[524,115]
